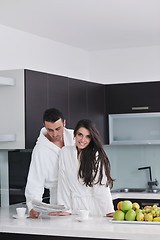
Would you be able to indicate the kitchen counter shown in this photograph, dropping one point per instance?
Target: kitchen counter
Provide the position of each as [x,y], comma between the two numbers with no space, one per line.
[68,226]
[135,195]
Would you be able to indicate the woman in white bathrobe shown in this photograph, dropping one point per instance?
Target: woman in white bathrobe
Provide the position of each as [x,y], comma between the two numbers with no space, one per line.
[84,173]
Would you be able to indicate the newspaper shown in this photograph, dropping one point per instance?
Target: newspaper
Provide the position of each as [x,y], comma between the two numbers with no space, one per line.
[47,208]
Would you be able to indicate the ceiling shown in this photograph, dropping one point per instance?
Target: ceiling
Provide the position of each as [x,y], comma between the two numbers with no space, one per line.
[87,24]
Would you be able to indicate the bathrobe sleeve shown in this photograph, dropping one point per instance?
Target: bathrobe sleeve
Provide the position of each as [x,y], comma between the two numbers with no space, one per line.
[43,173]
[36,178]
[103,196]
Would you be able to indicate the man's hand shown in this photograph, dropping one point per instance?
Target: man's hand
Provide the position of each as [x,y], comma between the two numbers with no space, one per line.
[110,214]
[34,214]
[59,214]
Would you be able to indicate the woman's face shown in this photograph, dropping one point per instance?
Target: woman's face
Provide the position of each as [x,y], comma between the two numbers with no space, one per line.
[82,138]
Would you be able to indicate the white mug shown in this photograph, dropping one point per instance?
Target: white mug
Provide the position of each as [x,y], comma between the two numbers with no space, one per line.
[21,212]
[83,214]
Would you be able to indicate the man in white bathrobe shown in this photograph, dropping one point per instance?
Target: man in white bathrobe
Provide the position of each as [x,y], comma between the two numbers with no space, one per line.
[43,171]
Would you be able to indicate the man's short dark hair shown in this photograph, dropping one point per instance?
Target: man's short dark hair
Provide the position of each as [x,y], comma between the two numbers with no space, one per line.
[52,115]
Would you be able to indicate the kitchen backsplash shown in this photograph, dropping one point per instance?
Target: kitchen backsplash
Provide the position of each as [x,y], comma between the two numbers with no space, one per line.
[125,161]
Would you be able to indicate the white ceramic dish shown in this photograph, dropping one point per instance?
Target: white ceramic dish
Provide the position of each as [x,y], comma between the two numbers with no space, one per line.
[79,219]
[17,217]
[135,222]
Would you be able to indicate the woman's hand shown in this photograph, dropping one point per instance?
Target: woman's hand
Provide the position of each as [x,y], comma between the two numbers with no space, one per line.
[59,214]
[110,214]
[34,214]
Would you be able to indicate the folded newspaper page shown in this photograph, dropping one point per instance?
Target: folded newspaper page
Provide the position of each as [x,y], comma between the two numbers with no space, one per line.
[44,207]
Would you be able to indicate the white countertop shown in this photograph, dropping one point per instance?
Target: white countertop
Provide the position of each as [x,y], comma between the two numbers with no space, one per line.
[94,227]
[134,195]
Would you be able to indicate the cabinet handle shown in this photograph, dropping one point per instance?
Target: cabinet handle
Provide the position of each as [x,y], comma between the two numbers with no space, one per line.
[4,81]
[140,108]
[7,137]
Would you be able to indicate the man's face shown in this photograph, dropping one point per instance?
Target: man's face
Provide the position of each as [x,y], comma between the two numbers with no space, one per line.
[55,130]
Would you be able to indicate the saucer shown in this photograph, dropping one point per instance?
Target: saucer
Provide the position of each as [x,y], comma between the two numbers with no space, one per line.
[79,219]
[17,217]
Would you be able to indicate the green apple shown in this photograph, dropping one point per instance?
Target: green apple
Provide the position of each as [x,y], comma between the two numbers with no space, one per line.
[118,215]
[130,215]
[140,216]
[126,205]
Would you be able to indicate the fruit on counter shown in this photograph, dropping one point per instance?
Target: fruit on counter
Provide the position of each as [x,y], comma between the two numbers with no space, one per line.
[135,206]
[129,211]
[118,215]
[138,210]
[130,215]
[140,216]
[126,205]
[147,209]
[155,211]
[148,217]
[156,219]
[119,205]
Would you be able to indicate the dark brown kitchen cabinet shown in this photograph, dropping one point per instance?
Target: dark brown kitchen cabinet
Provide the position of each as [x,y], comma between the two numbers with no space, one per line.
[58,94]
[77,101]
[96,107]
[134,97]
[87,101]
[42,91]
[35,105]
[141,202]
[22,236]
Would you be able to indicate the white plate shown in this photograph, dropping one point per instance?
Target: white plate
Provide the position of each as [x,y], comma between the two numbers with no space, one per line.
[16,216]
[134,222]
[79,219]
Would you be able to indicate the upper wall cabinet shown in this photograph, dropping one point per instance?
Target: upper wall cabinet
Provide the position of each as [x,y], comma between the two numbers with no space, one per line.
[58,93]
[12,120]
[77,101]
[96,107]
[43,91]
[134,97]
[35,105]
[22,106]
[87,100]
[134,128]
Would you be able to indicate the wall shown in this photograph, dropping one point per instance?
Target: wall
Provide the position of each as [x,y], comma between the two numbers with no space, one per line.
[125,65]
[125,161]
[23,50]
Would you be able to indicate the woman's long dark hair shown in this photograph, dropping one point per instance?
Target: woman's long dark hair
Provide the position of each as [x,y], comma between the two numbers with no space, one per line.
[93,159]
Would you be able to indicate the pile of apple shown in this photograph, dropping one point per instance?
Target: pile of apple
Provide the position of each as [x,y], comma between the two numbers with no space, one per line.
[128,211]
